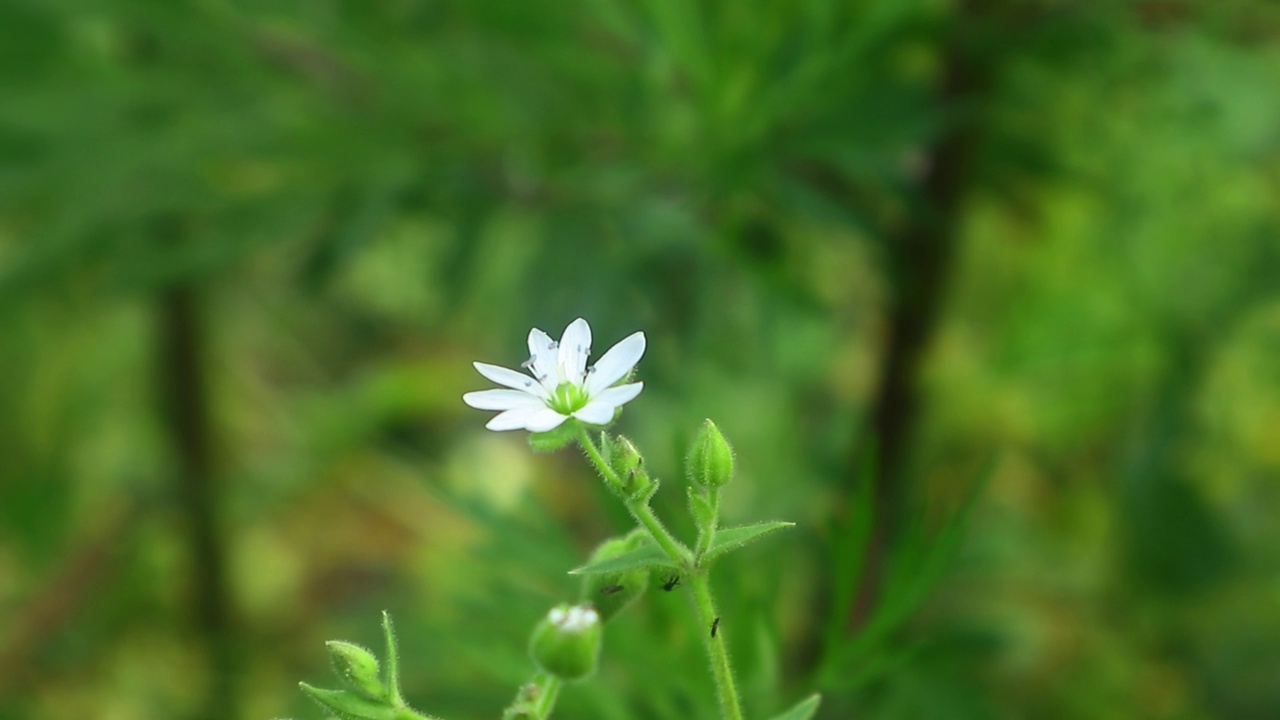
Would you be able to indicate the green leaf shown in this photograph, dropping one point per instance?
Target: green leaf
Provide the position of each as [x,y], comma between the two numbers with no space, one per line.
[734,538]
[645,556]
[350,705]
[392,680]
[802,710]
[704,514]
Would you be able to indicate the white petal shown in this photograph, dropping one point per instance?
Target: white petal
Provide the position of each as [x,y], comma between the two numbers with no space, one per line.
[543,420]
[510,378]
[542,352]
[596,412]
[616,363]
[512,419]
[575,345]
[619,395]
[500,399]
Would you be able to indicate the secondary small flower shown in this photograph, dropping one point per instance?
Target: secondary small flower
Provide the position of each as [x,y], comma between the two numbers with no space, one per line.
[560,385]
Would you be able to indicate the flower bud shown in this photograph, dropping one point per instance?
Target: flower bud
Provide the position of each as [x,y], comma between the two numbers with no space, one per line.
[710,462]
[611,592]
[628,465]
[357,668]
[566,643]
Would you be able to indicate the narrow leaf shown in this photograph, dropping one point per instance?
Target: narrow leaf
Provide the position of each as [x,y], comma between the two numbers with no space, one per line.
[392,680]
[734,538]
[350,705]
[803,710]
[645,556]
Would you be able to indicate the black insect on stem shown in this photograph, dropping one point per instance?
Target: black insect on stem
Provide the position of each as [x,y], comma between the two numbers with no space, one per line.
[714,624]
[671,583]
[611,589]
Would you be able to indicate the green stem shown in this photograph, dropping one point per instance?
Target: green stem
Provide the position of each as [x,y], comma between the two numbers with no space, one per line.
[640,510]
[717,652]
[547,697]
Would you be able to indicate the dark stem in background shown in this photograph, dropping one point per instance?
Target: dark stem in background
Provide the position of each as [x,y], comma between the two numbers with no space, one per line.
[91,567]
[184,396]
[922,254]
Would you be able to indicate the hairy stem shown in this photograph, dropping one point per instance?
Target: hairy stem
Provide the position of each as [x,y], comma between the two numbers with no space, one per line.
[550,691]
[700,586]
[717,652]
[640,510]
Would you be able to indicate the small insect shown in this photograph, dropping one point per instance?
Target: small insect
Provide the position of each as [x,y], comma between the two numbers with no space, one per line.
[671,583]
[611,589]
[714,624]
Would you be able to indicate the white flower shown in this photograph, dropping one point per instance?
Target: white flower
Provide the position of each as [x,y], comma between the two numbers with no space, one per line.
[560,384]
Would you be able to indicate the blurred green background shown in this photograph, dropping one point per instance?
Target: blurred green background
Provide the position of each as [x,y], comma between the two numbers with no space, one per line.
[986,293]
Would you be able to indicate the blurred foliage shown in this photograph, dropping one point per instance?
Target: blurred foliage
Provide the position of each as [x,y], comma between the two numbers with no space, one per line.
[363,197]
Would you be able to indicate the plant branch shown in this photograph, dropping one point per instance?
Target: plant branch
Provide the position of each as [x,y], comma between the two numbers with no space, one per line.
[717,652]
[640,510]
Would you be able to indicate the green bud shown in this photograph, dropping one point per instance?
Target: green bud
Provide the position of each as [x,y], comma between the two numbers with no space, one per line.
[612,592]
[357,667]
[566,643]
[710,462]
[628,465]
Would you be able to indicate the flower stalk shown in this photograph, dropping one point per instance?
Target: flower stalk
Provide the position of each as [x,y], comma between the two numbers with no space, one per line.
[717,651]
[699,584]
[639,509]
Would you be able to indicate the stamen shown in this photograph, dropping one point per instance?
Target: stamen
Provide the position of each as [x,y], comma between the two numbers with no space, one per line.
[529,363]
[554,345]
[591,369]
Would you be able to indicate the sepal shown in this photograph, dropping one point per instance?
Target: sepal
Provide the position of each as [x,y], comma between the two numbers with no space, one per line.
[556,438]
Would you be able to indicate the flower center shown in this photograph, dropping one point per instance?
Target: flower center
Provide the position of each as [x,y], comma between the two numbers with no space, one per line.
[567,398]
